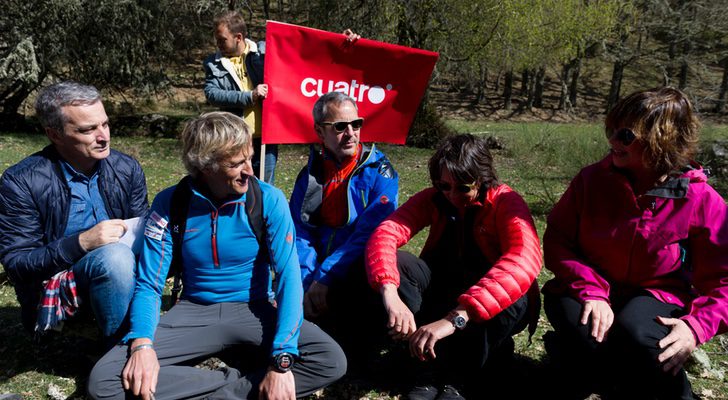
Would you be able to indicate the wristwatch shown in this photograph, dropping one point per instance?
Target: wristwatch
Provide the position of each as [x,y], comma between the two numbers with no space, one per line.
[458,321]
[283,362]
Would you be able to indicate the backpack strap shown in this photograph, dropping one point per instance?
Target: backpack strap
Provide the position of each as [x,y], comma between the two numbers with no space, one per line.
[254,211]
[179,207]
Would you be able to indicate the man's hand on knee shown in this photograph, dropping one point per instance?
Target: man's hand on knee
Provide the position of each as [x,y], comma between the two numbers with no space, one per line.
[278,386]
[105,232]
[141,370]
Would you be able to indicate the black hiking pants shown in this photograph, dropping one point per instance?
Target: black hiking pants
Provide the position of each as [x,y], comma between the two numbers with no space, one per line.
[626,361]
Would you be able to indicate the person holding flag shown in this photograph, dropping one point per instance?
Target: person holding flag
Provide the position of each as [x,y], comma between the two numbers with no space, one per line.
[234,82]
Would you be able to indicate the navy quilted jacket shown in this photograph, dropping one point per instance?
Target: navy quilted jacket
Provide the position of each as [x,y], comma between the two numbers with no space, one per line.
[34,203]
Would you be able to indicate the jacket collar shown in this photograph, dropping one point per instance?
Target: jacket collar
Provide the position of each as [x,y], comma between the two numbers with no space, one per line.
[315,158]
[675,185]
[52,154]
[677,182]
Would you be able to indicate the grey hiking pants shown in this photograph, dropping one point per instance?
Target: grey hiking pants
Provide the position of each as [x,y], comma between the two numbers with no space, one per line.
[190,333]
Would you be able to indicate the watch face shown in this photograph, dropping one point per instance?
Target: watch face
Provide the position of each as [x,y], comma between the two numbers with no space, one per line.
[283,362]
[459,322]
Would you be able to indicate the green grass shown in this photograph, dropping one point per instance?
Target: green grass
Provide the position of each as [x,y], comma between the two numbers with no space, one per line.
[537,160]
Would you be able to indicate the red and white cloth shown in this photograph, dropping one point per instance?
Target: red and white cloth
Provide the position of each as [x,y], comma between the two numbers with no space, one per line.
[60,301]
[301,64]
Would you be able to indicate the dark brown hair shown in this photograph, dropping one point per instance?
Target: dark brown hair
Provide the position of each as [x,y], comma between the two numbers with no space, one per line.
[468,160]
[234,21]
[663,120]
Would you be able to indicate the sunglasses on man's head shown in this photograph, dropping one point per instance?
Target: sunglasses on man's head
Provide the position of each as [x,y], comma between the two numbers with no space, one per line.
[340,126]
[460,187]
[624,135]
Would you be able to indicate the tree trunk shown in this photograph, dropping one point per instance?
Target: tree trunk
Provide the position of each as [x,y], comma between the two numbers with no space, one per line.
[266,9]
[616,84]
[575,74]
[508,90]
[529,92]
[10,101]
[565,74]
[670,69]
[538,87]
[482,84]
[683,75]
[525,77]
[720,104]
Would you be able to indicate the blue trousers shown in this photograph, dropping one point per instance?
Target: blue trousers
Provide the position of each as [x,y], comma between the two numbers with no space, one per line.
[271,158]
[105,279]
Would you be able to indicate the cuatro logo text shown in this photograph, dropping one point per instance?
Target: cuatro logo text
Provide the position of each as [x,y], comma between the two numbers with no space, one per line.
[311,87]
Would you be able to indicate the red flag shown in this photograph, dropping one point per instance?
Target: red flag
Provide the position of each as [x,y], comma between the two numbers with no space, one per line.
[301,64]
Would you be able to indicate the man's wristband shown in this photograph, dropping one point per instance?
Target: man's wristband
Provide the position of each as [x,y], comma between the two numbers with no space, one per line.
[140,347]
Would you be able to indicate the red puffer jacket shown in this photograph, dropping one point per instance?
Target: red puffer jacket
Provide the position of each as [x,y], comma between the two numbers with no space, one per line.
[503,230]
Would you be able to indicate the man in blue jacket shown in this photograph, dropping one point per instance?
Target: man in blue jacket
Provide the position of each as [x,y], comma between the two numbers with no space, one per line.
[62,212]
[228,302]
[338,199]
[234,81]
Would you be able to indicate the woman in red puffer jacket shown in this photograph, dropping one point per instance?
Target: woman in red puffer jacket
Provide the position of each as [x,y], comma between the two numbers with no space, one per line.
[460,302]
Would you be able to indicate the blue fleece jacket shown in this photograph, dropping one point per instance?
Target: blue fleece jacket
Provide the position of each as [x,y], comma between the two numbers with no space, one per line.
[219,262]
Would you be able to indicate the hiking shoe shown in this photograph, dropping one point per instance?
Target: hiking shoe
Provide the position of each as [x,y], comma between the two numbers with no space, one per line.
[450,393]
[422,392]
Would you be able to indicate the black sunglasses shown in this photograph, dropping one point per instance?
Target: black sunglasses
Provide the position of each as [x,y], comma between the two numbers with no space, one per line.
[460,187]
[340,126]
[625,136]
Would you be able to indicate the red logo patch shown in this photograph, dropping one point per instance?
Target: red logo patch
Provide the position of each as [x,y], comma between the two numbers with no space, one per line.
[289,238]
[384,199]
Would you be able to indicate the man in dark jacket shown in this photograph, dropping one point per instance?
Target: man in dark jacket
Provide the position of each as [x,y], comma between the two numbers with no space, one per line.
[234,81]
[62,212]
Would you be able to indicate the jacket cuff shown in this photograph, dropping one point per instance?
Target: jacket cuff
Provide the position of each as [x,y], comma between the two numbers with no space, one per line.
[322,278]
[72,248]
[698,331]
[475,310]
[378,283]
[290,350]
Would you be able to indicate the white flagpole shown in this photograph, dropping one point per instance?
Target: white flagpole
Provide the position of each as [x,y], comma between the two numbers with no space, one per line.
[262,162]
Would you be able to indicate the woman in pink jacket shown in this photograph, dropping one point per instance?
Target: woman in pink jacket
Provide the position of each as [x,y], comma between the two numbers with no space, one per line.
[460,302]
[638,245]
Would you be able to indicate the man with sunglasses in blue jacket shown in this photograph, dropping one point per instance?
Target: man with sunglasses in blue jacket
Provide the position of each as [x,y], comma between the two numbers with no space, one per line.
[343,193]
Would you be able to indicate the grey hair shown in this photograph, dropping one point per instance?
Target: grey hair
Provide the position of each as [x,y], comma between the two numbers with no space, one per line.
[211,137]
[51,100]
[321,108]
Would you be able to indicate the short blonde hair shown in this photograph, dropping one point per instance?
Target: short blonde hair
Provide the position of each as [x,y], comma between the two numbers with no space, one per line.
[662,119]
[210,138]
